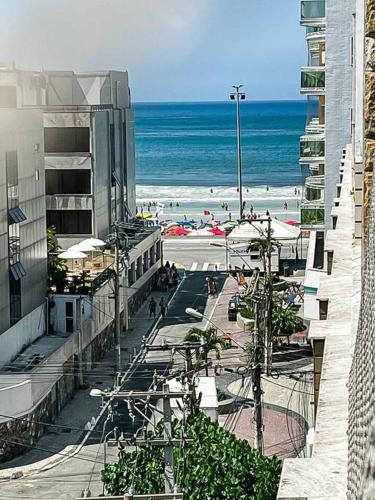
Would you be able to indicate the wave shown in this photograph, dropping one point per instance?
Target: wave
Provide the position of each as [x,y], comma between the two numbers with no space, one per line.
[200,194]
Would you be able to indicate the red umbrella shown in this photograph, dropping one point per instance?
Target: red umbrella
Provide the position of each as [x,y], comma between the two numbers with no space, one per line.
[291,222]
[217,231]
[177,231]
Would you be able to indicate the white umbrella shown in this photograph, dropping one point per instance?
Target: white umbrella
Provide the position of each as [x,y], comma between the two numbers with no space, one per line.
[83,246]
[72,254]
[94,242]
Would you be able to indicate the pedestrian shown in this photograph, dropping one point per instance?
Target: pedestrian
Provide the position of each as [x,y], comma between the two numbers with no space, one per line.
[230,216]
[285,206]
[267,188]
[185,218]
[163,307]
[267,213]
[211,190]
[170,204]
[152,307]
[295,191]
[251,208]
[297,204]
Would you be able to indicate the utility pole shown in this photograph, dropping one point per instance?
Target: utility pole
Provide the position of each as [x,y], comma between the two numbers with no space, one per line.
[237,96]
[269,302]
[117,303]
[256,380]
[168,457]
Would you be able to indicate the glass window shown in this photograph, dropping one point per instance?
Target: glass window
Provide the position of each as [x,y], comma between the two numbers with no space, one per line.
[67,140]
[70,221]
[68,181]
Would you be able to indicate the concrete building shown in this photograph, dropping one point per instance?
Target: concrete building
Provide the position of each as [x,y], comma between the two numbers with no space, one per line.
[23,254]
[327,82]
[88,144]
[67,160]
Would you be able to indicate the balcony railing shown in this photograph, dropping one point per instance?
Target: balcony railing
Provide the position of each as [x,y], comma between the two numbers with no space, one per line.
[313,80]
[314,127]
[69,202]
[315,182]
[313,12]
[312,148]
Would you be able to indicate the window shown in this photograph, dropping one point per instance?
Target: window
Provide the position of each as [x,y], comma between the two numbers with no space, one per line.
[68,181]
[70,221]
[14,299]
[69,317]
[67,140]
[8,97]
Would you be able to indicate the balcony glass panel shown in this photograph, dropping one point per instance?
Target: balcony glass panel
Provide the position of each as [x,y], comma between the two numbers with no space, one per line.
[312,216]
[312,79]
[311,9]
[311,149]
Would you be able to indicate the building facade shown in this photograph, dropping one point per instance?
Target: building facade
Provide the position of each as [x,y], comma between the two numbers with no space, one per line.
[23,255]
[327,83]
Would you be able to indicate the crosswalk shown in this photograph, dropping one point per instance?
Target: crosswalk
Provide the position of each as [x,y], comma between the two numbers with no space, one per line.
[206,266]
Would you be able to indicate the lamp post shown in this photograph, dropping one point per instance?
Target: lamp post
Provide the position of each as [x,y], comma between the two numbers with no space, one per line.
[237,95]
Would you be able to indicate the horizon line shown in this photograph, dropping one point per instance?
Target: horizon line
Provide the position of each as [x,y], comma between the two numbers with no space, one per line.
[218,101]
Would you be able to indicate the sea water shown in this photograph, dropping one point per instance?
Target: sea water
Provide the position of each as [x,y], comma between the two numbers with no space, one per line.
[186,155]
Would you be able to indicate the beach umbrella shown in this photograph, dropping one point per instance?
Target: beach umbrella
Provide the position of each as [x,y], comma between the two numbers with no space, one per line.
[144,216]
[83,246]
[178,231]
[217,231]
[94,242]
[72,254]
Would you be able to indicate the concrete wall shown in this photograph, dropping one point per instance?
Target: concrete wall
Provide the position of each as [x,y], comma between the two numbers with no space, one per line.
[339,29]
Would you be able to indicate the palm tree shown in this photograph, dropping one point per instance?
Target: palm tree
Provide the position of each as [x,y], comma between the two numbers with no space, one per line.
[285,322]
[209,339]
[261,245]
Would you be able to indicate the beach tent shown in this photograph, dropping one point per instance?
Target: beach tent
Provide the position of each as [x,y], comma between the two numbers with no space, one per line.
[280,231]
[291,222]
[205,231]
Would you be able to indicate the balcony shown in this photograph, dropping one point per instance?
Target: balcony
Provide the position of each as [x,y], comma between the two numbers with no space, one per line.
[313,12]
[69,202]
[312,214]
[313,80]
[312,149]
[314,127]
[315,182]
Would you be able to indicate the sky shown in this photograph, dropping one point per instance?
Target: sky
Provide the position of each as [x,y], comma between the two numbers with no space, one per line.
[174,50]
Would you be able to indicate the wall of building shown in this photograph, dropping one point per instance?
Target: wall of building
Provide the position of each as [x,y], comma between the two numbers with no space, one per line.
[361,427]
[338,82]
[22,131]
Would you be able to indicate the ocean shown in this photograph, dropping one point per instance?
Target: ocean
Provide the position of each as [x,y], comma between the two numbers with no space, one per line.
[186,154]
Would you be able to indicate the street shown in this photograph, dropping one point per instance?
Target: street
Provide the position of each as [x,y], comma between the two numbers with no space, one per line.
[69,478]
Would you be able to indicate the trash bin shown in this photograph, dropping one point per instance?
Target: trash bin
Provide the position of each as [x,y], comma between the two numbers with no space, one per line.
[232,311]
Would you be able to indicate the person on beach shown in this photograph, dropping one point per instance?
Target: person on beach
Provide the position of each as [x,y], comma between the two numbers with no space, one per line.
[152,307]
[211,190]
[285,206]
[171,204]
[185,217]
[251,209]
[295,191]
[177,204]
[163,307]
[230,216]
[267,188]
[267,213]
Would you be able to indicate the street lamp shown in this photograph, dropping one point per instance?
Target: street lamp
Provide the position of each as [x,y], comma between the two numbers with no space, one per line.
[237,95]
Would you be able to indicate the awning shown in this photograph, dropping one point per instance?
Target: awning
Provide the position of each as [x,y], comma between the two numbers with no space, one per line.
[16,215]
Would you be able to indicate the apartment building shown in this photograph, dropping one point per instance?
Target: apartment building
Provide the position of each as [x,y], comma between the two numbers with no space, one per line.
[88,145]
[66,160]
[23,254]
[327,83]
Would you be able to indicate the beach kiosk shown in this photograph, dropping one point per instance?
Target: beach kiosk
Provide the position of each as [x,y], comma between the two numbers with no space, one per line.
[239,240]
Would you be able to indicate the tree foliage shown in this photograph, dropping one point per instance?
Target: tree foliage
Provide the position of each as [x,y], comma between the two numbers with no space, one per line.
[285,321]
[215,466]
[56,268]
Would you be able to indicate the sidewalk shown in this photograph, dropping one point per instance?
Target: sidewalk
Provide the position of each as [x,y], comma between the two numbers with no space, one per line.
[66,436]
